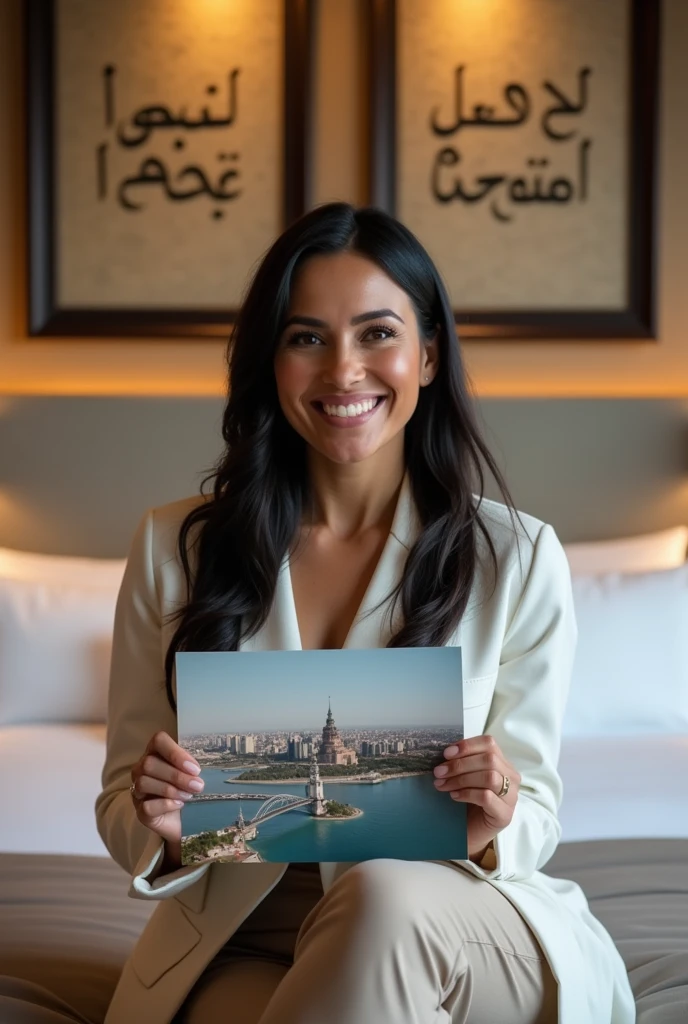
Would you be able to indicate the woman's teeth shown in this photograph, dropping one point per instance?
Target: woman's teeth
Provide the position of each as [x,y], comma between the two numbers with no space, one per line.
[356,409]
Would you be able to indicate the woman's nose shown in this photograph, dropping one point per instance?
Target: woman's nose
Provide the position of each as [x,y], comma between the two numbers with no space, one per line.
[344,367]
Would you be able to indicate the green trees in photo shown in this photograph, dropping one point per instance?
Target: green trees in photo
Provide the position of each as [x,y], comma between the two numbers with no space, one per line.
[200,845]
[339,810]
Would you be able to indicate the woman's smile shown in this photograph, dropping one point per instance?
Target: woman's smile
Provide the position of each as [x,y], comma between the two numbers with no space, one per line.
[346,411]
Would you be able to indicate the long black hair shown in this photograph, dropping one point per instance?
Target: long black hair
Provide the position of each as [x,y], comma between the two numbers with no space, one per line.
[241,533]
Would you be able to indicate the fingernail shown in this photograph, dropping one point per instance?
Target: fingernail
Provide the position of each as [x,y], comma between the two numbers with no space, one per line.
[191,768]
[451,752]
[439,782]
[185,796]
[196,784]
[178,803]
[441,769]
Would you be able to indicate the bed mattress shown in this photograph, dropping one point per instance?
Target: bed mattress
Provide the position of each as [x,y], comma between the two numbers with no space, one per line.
[638,889]
[67,924]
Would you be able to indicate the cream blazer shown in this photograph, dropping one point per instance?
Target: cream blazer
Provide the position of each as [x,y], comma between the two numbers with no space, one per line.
[517,642]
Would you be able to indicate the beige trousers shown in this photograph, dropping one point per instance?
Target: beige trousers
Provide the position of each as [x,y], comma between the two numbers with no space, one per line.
[392,942]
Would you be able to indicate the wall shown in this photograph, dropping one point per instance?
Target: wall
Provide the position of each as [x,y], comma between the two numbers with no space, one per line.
[31,366]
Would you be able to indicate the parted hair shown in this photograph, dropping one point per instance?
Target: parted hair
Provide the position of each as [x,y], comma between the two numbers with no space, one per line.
[232,545]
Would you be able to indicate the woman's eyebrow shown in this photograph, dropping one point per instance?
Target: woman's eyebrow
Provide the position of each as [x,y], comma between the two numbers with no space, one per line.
[311,321]
[308,321]
[375,314]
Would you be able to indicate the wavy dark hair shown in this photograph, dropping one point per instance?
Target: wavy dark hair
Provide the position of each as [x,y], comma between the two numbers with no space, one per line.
[241,533]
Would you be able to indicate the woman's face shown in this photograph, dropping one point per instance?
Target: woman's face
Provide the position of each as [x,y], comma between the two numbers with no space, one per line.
[350,359]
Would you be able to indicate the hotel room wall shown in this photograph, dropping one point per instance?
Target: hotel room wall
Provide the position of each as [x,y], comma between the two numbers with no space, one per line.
[91,432]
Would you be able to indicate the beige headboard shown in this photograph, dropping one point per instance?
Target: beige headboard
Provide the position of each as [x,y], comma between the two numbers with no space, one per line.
[77,473]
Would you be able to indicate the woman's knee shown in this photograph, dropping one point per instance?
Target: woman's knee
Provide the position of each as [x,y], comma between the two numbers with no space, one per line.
[394,892]
[382,913]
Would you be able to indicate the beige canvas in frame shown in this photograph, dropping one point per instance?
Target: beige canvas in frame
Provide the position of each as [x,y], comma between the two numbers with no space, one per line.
[551,231]
[213,70]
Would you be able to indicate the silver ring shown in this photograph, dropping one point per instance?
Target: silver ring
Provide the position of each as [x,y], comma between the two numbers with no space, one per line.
[505,786]
[132,790]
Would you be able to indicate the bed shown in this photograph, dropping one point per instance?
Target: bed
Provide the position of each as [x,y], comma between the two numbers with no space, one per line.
[638,889]
[66,922]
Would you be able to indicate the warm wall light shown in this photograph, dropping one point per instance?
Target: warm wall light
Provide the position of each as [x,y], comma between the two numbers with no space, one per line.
[479,6]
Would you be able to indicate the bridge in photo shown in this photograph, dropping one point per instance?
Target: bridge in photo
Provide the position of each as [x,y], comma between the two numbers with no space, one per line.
[278,805]
[314,800]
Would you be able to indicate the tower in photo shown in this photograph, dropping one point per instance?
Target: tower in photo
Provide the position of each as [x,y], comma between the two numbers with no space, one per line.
[314,790]
[332,749]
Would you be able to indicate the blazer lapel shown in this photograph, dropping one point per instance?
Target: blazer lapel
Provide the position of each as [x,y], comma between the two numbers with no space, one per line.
[280,631]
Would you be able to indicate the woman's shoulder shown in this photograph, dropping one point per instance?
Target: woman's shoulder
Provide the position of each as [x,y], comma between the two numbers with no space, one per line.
[516,537]
[508,527]
[163,523]
[175,512]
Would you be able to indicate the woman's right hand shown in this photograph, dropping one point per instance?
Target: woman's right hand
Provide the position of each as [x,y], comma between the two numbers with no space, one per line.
[164,778]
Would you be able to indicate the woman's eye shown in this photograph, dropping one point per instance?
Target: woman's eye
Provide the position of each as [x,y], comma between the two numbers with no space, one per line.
[381,333]
[305,340]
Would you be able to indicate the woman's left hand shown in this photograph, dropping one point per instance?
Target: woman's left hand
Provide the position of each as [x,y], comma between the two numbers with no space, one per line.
[474,773]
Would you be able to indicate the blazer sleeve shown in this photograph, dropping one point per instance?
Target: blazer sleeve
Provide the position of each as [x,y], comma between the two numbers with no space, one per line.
[137,708]
[527,710]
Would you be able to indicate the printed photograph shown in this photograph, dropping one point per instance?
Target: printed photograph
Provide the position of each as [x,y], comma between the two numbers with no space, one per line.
[320,755]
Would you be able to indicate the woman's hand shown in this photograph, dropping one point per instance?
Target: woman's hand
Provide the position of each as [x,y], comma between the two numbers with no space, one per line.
[164,778]
[474,772]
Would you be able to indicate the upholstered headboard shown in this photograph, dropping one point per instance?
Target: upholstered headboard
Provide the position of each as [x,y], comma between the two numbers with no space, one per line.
[77,473]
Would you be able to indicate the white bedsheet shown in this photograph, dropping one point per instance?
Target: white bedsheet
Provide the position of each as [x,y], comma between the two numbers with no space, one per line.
[615,788]
[624,787]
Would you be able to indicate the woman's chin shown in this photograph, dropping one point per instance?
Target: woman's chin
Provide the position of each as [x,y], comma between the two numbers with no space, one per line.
[348,454]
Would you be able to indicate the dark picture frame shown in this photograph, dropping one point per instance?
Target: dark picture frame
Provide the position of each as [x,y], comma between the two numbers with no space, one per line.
[46,317]
[638,319]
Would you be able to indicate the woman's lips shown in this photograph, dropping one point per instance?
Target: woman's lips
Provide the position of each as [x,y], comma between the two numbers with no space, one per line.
[348,420]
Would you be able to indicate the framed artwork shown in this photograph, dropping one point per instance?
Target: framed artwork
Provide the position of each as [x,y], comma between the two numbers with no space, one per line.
[518,142]
[167,148]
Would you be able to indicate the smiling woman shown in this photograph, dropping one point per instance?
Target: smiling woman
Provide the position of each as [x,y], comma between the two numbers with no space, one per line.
[347,511]
[346,307]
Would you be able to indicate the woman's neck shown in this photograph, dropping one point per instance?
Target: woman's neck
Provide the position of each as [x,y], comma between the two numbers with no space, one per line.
[351,499]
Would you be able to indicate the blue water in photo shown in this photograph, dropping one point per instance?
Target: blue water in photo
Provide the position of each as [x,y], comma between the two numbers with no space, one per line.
[404,818]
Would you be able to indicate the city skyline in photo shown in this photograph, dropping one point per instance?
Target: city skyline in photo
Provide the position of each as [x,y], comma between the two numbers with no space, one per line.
[316,728]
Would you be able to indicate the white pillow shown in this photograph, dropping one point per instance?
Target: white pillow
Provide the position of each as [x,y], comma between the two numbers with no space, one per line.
[56,619]
[646,553]
[630,674]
